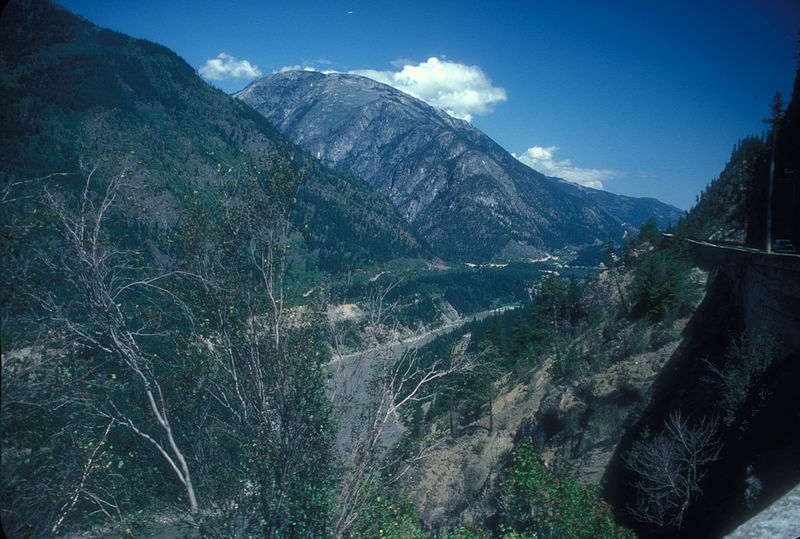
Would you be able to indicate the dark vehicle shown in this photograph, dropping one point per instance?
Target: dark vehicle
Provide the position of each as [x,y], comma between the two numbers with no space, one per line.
[783,246]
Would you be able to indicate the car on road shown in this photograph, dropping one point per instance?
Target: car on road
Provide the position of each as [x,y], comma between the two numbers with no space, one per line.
[783,246]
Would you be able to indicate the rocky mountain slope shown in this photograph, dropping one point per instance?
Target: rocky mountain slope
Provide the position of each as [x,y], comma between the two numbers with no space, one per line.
[633,210]
[443,175]
[576,416]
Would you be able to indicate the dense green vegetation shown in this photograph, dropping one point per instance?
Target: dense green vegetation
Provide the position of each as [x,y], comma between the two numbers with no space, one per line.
[542,501]
[661,281]
[168,378]
[722,208]
[156,237]
[73,92]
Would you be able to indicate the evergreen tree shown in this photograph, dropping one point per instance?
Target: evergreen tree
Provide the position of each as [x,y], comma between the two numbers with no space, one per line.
[649,232]
[776,107]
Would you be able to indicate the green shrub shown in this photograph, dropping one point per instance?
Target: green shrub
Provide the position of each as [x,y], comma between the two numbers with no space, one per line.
[746,359]
[538,501]
[650,233]
[389,520]
[567,367]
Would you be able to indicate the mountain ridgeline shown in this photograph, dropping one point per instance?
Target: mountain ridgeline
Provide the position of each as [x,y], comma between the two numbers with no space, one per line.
[74,94]
[443,175]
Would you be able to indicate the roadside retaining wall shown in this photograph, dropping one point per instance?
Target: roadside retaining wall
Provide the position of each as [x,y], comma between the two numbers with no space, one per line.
[766,287]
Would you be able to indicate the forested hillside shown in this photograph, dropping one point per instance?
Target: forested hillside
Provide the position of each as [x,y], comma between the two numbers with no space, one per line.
[156,237]
[74,95]
[722,209]
[782,172]
[734,206]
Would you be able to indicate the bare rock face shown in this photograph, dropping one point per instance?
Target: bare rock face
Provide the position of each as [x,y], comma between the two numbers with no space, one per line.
[461,192]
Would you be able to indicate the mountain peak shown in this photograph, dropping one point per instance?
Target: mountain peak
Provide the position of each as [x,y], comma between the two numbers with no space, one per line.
[443,175]
[345,90]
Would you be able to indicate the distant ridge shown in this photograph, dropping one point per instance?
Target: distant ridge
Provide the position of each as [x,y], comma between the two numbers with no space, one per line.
[460,191]
[633,210]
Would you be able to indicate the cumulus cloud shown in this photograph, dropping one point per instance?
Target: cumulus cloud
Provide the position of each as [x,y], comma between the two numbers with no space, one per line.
[225,66]
[458,89]
[295,68]
[542,159]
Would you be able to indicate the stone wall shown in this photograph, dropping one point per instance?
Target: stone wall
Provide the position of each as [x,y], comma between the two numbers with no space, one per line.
[766,287]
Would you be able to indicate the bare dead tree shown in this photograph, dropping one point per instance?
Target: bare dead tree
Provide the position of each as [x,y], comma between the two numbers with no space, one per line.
[80,489]
[670,469]
[14,190]
[371,387]
[269,403]
[100,276]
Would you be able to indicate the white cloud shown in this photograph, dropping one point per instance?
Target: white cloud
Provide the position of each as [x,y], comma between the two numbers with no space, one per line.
[400,63]
[458,89]
[225,66]
[295,68]
[541,159]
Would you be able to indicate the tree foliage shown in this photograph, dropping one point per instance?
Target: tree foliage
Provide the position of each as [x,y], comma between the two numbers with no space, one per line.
[188,370]
[540,501]
[650,233]
[661,280]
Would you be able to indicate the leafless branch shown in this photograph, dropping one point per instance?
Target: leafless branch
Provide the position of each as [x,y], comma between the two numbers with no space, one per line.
[93,267]
[87,470]
[670,469]
[371,387]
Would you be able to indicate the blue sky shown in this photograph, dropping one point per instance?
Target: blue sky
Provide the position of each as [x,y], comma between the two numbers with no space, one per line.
[644,98]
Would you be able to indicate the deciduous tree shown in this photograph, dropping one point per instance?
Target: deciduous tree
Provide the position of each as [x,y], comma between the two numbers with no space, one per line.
[670,468]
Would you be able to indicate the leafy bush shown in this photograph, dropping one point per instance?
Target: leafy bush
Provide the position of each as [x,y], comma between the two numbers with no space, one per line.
[389,520]
[538,501]
[746,359]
